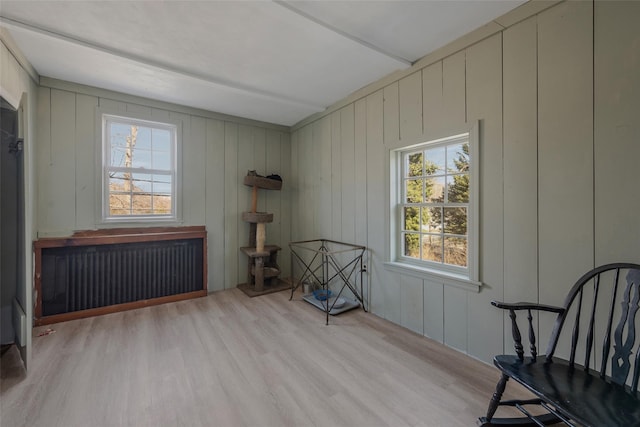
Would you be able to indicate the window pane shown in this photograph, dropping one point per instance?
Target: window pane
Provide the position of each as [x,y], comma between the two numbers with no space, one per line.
[162,204]
[434,190]
[412,245]
[162,184]
[413,191]
[434,224]
[141,204]
[143,138]
[118,181]
[425,217]
[414,164]
[455,221]
[434,160]
[162,160]
[432,248]
[458,188]
[141,158]
[119,133]
[455,251]
[117,156]
[161,140]
[119,204]
[411,219]
[458,157]
[141,183]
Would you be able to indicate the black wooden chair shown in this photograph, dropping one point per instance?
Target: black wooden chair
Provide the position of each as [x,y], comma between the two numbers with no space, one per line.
[590,384]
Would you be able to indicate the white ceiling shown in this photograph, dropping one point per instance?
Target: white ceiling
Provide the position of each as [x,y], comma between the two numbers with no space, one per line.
[273,61]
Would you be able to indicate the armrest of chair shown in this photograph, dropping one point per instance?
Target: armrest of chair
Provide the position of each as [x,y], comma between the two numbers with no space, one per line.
[527,306]
[515,331]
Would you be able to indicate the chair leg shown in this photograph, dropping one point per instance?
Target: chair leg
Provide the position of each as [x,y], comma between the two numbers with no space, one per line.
[497,395]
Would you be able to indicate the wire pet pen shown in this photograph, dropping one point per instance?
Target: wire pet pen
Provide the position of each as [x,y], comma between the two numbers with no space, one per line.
[326,264]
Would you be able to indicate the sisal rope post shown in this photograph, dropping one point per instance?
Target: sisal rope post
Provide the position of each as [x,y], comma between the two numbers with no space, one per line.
[260,237]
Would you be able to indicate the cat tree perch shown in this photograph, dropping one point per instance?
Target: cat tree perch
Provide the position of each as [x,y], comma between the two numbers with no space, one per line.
[263,269]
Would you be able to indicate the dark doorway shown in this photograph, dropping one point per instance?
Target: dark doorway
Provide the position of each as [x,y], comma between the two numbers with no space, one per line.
[12,217]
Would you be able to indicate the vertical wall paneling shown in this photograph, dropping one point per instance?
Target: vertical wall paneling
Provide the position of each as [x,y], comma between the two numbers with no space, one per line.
[454,90]
[392,294]
[347,173]
[85,153]
[484,102]
[294,188]
[194,168]
[260,162]
[360,174]
[433,310]
[336,176]
[520,123]
[231,214]
[391,114]
[376,176]
[412,300]
[565,150]
[410,106]
[617,132]
[215,195]
[432,99]
[273,199]
[60,199]
[246,162]
[391,125]
[324,203]
[455,318]
[308,214]
[43,156]
[286,149]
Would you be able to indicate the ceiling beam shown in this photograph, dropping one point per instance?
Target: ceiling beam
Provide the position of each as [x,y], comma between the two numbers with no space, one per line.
[334,29]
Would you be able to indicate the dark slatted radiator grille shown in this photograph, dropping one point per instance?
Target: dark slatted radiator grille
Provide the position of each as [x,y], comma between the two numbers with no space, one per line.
[90,274]
[81,278]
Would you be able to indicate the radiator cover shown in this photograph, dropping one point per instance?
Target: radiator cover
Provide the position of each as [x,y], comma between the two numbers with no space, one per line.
[85,274]
[81,278]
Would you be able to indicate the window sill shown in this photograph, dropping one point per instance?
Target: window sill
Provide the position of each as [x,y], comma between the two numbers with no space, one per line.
[449,279]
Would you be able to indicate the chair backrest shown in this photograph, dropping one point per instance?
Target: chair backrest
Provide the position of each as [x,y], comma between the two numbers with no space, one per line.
[600,322]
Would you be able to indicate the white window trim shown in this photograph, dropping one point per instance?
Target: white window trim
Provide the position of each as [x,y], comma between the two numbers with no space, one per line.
[462,278]
[102,204]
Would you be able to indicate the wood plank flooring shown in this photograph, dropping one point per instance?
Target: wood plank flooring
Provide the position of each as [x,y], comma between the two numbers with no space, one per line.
[230,360]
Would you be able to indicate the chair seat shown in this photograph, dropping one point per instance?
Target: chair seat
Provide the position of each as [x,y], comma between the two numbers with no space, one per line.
[580,395]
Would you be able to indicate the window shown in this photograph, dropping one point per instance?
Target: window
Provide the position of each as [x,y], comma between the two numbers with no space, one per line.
[434,211]
[139,169]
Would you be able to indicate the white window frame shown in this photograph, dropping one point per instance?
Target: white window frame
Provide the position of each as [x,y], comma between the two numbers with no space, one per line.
[175,128]
[464,277]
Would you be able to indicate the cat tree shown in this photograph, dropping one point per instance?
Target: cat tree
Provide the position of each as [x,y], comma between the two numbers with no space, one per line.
[263,270]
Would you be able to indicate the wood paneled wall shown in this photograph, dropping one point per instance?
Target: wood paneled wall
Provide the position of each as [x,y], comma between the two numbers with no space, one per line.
[558,99]
[216,154]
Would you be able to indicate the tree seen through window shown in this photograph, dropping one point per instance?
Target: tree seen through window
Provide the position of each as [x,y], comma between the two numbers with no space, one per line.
[436,203]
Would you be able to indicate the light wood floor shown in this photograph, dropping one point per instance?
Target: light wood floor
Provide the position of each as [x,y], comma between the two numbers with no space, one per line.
[228,360]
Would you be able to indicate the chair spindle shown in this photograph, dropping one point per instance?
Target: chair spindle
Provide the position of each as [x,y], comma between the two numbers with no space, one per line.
[532,337]
[517,338]
[576,330]
[606,345]
[589,347]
